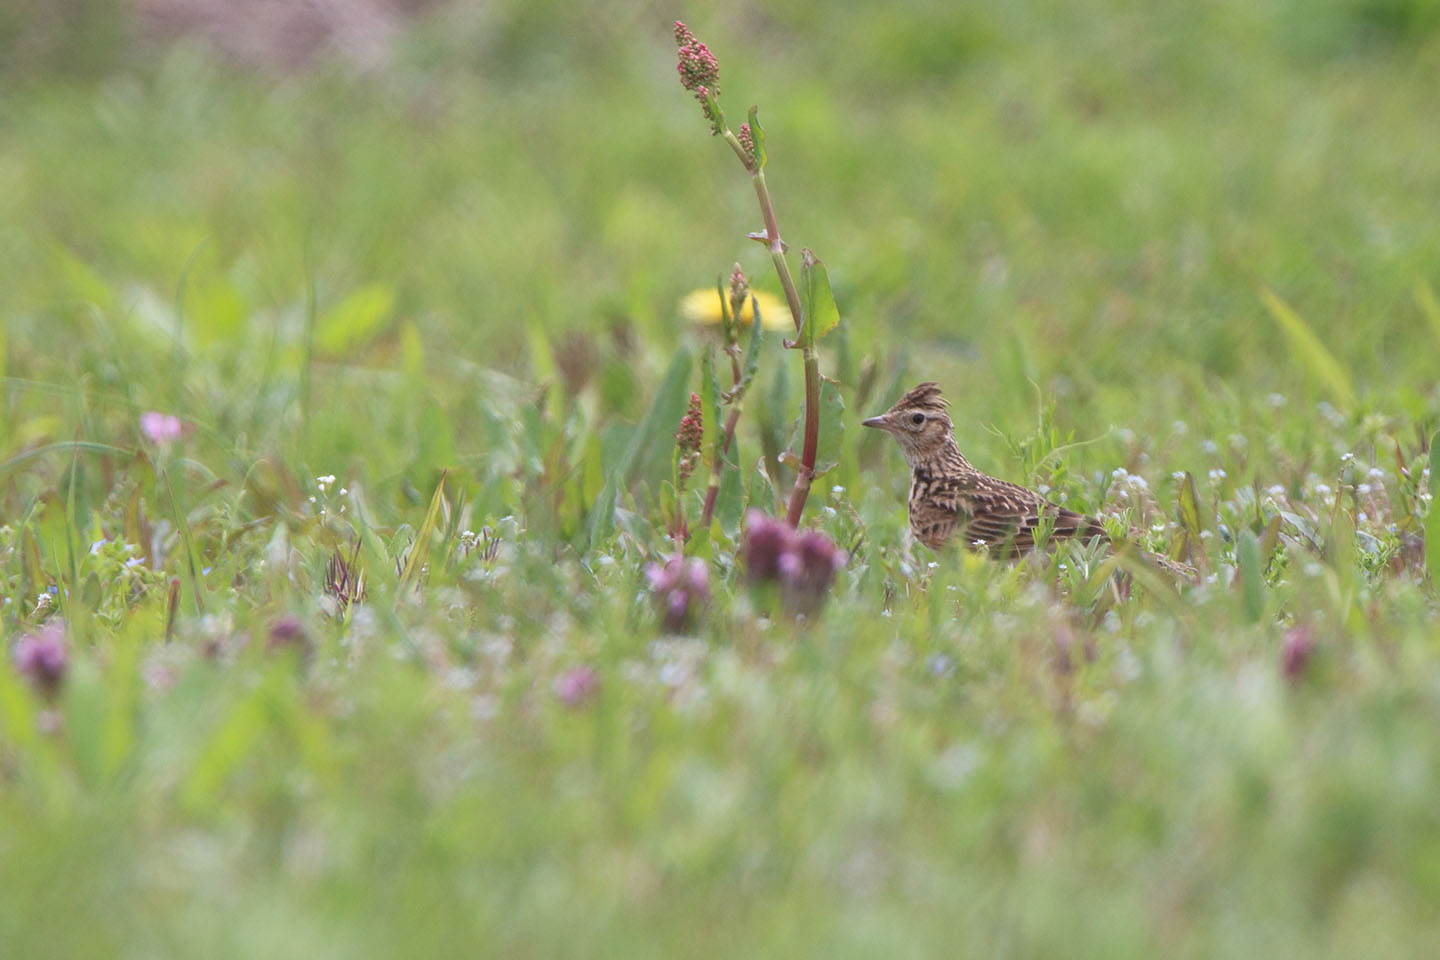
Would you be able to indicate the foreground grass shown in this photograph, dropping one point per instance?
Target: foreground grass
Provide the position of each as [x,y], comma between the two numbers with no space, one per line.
[468,269]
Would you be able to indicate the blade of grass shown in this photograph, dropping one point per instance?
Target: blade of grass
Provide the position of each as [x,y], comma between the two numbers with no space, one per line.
[74,446]
[1429,306]
[72,548]
[1252,575]
[1432,521]
[1310,349]
[420,552]
[192,562]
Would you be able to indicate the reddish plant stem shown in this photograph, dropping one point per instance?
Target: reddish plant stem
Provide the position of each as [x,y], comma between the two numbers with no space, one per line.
[805,473]
[713,490]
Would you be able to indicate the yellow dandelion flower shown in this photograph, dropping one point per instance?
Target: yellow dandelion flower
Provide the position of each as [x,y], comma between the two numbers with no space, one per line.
[703,307]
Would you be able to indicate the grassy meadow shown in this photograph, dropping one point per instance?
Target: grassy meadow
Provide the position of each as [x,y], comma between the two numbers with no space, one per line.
[266,331]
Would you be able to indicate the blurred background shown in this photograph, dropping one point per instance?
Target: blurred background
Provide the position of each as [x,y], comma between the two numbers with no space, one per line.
[1078,202]
[348,244]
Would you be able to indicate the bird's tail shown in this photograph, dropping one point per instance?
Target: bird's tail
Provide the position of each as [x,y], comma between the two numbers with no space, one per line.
[1172,568]
[1181,571]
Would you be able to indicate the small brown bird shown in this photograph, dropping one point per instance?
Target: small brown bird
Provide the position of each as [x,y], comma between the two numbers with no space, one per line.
[949,498]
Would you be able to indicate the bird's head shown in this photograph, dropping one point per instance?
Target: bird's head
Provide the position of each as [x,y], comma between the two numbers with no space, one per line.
[919,422]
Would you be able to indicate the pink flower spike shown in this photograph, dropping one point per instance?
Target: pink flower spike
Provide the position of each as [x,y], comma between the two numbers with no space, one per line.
[696,65]
[161,429]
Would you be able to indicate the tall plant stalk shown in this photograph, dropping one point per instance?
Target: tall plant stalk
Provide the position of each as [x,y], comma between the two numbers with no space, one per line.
[700,73]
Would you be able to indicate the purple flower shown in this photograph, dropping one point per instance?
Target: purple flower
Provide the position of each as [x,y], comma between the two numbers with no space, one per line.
[42,657]
[1296,651]
[680,587]
[767,540]
[804,564]
[287,633]
[161,429]
[576,686]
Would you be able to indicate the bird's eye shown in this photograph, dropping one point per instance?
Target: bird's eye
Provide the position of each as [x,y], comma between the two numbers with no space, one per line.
[917,419]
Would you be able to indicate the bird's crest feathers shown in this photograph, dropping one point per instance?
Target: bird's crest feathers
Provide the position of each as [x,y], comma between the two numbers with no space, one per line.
[925,396]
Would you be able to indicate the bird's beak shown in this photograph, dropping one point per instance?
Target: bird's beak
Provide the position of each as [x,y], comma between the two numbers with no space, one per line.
[874,422]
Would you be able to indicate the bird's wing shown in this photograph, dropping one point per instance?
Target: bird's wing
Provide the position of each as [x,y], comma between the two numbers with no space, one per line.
[933,511]
[1006,517]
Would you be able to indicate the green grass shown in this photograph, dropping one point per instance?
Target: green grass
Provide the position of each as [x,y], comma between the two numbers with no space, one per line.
[1170,239]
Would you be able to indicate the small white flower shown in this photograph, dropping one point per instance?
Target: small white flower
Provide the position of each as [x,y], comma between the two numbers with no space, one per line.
[1322,489]
[1217,475]
[1363,489]
[837,489]
[1210,446]
[1275,490]
[1119,473]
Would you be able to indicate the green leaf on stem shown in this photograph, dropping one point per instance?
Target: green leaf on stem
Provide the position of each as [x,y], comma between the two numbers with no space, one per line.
[821,314]
[727,322]
[832,427]
[710,406]
[760,492]
[752,353]
[757,136]
[730,500]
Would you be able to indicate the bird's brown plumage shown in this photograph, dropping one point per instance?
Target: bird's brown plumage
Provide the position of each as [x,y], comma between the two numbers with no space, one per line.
[950,499]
